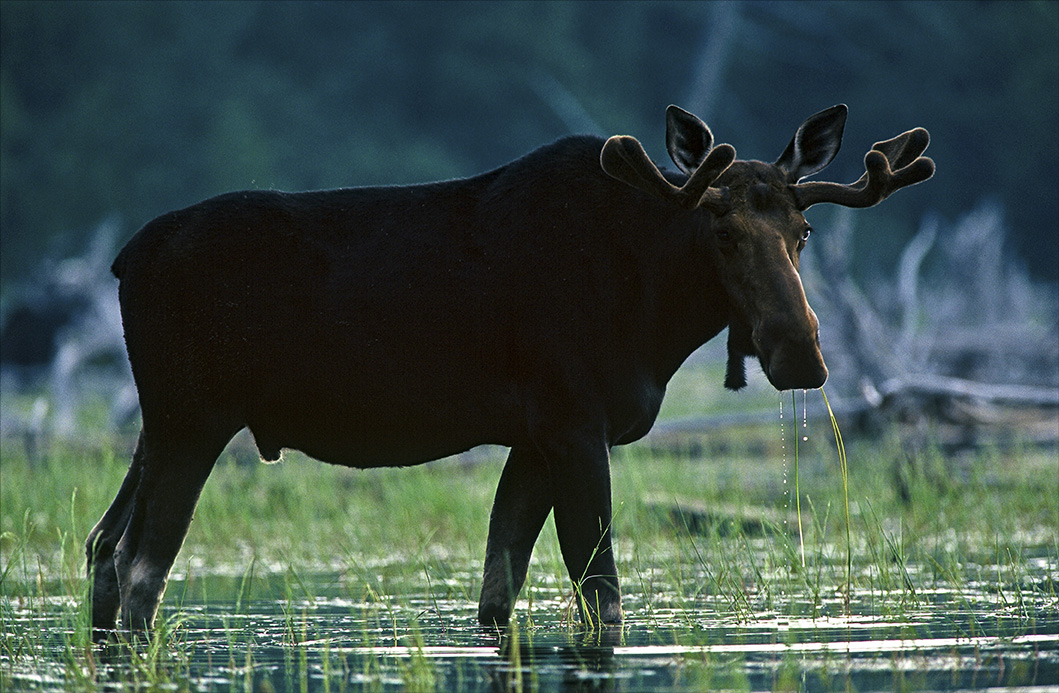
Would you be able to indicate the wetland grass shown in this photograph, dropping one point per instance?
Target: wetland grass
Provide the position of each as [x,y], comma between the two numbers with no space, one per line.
[840,450]
[302,576]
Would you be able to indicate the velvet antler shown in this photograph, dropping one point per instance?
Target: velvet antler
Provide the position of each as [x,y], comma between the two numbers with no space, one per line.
[624,158]
[889,166]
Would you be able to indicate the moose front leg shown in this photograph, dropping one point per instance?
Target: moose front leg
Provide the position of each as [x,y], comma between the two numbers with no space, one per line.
[581,482]
[523,501]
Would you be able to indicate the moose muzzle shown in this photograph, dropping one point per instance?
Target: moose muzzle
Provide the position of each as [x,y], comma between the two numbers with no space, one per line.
[789,351]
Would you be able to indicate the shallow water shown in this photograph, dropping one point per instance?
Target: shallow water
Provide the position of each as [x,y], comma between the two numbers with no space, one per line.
[366,630]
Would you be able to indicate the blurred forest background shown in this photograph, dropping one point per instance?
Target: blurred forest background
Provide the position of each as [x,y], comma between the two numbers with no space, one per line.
[133,109]
[117,112]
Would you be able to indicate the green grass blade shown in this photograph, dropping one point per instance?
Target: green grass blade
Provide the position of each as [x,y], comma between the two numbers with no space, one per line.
[841,449]
[797,490]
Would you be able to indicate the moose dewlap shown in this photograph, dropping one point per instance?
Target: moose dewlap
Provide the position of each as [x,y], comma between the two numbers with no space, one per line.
[541,306]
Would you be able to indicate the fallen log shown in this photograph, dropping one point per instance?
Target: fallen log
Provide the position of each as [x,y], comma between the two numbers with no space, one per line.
[726,520]
[924,385]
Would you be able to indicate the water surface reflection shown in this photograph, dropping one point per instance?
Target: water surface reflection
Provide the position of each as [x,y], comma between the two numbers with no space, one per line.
[328,632]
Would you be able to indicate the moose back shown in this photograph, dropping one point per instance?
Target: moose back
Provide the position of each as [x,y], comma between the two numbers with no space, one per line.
[542,306]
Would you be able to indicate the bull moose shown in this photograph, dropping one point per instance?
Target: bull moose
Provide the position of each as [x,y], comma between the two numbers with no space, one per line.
[541,306]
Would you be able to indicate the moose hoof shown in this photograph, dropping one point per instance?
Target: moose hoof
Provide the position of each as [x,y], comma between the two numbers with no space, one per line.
[612,615]
[493,615]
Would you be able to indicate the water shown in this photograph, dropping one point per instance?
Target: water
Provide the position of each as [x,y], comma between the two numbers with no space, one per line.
[369,630]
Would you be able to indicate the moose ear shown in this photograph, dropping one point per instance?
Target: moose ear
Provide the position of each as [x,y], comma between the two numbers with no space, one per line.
[815,144]
[687,139]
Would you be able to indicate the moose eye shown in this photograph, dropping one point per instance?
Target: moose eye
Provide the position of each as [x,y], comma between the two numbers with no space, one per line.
[724,235]
[805,234]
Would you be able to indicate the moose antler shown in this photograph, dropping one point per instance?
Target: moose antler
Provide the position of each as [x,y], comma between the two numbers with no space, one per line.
[889,166]
[624,158]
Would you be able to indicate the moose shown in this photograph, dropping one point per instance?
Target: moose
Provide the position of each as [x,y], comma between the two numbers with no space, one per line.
[542,306]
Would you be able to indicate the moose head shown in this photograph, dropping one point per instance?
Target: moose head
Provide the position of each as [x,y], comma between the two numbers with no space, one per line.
[754,216]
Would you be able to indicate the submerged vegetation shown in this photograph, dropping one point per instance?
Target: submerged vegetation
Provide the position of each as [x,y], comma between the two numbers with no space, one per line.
[303,576]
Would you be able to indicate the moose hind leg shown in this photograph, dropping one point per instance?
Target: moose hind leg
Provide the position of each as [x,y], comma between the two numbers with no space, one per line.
[522,504]
[100,546]
[172,479]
